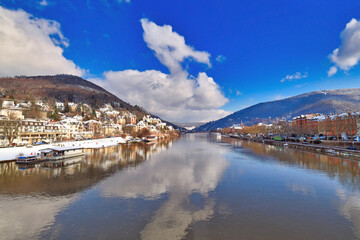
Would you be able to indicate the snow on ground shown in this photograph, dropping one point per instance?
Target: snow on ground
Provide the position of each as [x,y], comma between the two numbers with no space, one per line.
[11,153]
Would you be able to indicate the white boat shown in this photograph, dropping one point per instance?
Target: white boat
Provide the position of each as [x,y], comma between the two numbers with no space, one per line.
[330,151]
[58,153]
[128,138]
[27,159]
[150,138]
[134,140]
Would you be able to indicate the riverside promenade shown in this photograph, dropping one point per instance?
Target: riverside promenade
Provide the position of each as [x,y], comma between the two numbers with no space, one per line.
[11,153]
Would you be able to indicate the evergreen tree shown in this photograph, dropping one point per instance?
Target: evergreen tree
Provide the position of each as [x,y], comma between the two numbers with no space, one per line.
[66,108]
[55,115]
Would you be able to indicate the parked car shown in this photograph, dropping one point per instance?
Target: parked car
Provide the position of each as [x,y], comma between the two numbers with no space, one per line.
[279,138]
[330,151]
[351,148]
[322,137]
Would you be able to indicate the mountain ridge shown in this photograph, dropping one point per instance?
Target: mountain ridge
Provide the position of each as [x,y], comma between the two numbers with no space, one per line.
[65,88]
[321,101]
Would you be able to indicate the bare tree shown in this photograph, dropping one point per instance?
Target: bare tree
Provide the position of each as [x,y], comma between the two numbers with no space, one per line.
[11,128]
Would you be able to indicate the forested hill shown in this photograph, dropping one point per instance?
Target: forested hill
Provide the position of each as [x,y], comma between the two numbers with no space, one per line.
[63,88]
[324,101]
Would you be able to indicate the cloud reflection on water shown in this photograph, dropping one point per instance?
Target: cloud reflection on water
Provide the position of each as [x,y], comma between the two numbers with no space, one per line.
[26,217]
[178,172]
[350,208]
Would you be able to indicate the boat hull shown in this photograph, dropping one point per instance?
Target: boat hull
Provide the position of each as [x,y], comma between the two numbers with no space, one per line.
[29,162]
[64,157]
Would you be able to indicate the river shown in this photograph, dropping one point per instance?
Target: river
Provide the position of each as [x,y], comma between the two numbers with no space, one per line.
[195,187]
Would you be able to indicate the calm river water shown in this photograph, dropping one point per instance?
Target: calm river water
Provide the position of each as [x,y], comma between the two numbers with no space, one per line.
[196,187]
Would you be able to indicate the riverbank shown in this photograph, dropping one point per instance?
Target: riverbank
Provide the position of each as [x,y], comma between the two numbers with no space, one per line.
[318,148]
[11,153]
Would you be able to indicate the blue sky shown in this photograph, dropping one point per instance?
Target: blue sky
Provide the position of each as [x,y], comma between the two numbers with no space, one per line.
[253,45]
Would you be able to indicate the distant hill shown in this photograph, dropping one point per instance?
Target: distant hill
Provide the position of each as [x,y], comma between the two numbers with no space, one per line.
[64,88]
[326,102]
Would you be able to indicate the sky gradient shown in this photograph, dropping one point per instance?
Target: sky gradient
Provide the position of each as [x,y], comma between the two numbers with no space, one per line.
[187,60]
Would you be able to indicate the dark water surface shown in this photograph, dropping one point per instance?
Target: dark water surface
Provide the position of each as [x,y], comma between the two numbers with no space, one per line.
[196,187]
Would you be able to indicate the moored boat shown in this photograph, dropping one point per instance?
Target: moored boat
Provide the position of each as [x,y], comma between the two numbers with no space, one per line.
[134,140]
[150,138]
[28,159]
[58,153]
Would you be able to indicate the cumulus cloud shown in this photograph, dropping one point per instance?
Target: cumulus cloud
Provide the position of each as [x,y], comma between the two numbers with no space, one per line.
[177,96]
[348,54]
[169,47]
[32,46]
[295,76]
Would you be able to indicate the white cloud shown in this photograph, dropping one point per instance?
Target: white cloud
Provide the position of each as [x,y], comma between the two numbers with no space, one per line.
[333,70]
[169,47]
[220,58]
[238,93]
[348,54]
[177,96]
[32,46]
[43,3]
[171,97]
[295,76]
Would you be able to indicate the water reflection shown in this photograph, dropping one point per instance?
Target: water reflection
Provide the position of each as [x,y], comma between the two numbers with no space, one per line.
[30,198]
[24,218]
[180,172]
[195,187]
[53,178]
[350,208]
[346,171]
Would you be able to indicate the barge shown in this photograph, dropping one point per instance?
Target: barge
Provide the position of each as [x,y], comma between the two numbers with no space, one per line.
[59,153]
[31,159]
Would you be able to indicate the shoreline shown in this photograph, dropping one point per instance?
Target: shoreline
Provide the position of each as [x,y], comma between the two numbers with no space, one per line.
[10,154]
[316,148]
